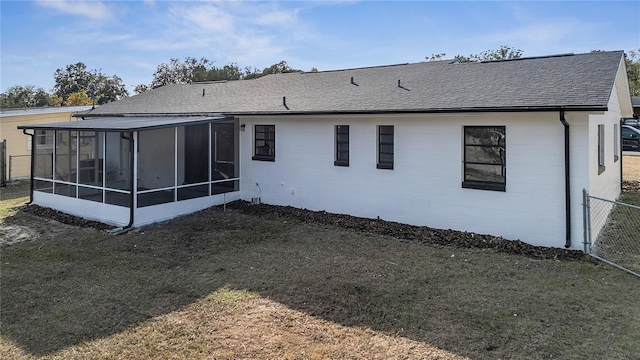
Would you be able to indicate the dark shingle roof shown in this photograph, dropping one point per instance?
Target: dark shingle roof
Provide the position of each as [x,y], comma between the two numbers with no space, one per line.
[583,81]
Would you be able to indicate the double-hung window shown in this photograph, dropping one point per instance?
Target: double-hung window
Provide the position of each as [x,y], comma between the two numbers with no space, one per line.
[385,147]
[342,145]
[485,158]
[264,143]
[600,149]
[616,142]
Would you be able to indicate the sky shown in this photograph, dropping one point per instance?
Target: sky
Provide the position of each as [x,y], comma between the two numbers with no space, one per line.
[131,38]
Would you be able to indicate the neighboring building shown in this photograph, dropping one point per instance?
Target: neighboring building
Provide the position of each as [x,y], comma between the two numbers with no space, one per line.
[501,147]
[18,145]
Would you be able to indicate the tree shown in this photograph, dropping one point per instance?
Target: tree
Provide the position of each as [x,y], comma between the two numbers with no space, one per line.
[192,70]
[75,77]
[436,57]
[78,99]
[632,62]
[140,88]
[504,53]
[277,68]
[24,96]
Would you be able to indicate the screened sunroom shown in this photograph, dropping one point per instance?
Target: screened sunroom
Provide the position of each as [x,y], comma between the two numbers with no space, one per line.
[131,171]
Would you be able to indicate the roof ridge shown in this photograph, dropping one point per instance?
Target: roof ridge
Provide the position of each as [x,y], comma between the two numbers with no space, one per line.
[358,68]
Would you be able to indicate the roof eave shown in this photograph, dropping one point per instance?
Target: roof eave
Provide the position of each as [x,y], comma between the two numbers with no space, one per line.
[587,108]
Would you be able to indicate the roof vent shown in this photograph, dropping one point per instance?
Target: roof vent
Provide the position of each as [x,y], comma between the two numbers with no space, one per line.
[402,87]
[284,102]
[353,83]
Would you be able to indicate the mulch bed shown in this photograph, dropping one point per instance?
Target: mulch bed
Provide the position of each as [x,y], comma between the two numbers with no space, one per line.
[423,234]
[63,218]
[632,185]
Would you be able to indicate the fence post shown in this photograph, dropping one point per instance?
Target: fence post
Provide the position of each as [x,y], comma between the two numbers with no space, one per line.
[10,166]
[586,221]
[3,165]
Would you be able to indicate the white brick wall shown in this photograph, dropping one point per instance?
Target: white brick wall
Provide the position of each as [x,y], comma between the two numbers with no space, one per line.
[425,186]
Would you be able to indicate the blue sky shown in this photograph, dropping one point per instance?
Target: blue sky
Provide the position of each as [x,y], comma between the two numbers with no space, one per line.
[130,38]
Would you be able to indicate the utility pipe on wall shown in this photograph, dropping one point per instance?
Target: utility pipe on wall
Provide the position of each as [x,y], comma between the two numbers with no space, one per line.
[567,180]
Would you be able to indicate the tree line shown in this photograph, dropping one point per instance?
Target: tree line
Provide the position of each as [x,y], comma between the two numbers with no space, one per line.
[76,85]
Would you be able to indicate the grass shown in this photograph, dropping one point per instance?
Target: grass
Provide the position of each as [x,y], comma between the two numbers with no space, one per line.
[631,168]
[225,285]
[12,195]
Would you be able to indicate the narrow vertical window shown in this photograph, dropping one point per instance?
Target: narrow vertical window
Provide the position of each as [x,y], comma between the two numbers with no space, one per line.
[485,158]
[616,142]
[600,149]
[342,145]
[264,143]
[385,147]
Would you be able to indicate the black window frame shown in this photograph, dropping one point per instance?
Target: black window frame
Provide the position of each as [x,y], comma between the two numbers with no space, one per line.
[601,152]
[341,154]
[384,131]
[262,140]
[481,184]
[616,142]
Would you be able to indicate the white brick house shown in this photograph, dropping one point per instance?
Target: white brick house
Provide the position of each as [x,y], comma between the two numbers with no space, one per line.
[502,148]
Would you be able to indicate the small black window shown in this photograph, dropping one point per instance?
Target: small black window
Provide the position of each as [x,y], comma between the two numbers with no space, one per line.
[342,145]
[600,149]
[385,147]
[616,143]
[265,143]
[484,158]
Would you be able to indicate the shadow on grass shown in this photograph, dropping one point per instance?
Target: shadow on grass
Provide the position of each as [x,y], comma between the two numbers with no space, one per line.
[83,285]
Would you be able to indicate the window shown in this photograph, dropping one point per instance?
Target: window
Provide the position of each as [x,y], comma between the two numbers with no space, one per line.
[43,139]
[484,158]
[600,149]
[385,147]
[616,143]
[265,143]
[342,145]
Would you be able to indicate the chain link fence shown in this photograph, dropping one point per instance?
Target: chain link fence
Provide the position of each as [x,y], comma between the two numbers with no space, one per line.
[19,167]
[612,232]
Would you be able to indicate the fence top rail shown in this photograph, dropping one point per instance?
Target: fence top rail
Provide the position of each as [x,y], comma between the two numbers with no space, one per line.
[615,202]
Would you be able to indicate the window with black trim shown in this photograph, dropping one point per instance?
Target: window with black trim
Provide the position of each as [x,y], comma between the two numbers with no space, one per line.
[264,143]
[616,142]
[342,145]
[385,147]
[485,158]
[600,149]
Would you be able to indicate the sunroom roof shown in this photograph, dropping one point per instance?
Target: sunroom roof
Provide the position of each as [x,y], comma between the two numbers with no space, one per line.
[126,123]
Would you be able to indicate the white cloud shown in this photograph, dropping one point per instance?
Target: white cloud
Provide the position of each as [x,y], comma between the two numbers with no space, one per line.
[92,9]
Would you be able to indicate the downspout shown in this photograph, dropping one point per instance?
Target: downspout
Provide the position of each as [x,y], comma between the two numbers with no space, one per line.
[129,226]
[131,181]
[33,161]
[567,181]
[619,154]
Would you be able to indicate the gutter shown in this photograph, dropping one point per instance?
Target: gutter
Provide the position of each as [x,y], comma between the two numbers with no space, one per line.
[589,108]
[567,181]
[33,157]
